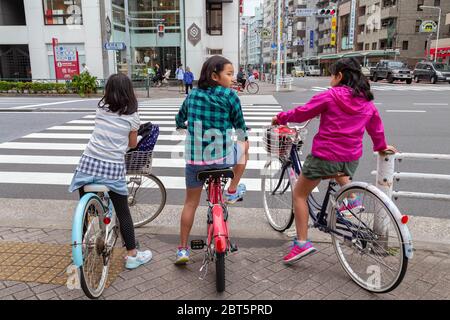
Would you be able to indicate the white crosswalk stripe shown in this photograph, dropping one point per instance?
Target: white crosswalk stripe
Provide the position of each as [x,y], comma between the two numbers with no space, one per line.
[50,156]
[395,87]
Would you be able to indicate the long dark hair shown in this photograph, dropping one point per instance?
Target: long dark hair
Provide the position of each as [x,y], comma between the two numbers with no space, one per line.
[215,64]
[352,77]
[119,95]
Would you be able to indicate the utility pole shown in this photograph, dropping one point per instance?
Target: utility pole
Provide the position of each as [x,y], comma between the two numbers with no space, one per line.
[128,40]
[286,26]
[279,47]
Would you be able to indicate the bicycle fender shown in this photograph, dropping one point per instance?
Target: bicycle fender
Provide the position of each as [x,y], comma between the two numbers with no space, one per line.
[220,231]
[406,235]
[77,229]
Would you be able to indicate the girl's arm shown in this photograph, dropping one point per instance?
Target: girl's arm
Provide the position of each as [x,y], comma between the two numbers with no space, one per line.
[181,117]
[313,108]
[132,139]
[375,130]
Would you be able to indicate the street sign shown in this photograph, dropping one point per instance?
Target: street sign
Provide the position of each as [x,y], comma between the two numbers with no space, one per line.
[116,46]
[108,28]
[428,26]
[311,39]
[304,12]
[266,34]
[333,39]
[194,34]
[289,37]
[351,31]
[333,23]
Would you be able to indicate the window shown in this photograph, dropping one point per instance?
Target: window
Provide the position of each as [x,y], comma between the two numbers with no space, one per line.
[418,23]
[374,46]
[214,19]
[405,45]
[437,3]
[12,13]
[419,3]
[214,51]
[62,12]
[367,46]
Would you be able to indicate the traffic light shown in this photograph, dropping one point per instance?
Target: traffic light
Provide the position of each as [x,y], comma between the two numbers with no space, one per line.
[161,30]
[326,12]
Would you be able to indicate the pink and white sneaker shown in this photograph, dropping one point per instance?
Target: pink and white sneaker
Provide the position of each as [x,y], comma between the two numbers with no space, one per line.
[299,251]
[351,205]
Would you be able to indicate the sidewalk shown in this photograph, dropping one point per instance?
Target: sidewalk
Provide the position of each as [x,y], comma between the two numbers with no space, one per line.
[254,272]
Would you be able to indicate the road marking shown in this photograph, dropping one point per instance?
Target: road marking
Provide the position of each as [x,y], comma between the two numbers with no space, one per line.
[156,117]
[91,128]
[51,103]
[179,148]
[429,104]
[249,113]
[250,124]
[407,111]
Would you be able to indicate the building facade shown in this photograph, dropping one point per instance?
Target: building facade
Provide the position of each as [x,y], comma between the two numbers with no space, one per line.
[192,31]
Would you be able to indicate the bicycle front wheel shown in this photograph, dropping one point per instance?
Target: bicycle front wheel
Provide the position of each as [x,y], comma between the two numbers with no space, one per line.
[253,88]
[367,240]
[94,271]
[146,198]
[277,195]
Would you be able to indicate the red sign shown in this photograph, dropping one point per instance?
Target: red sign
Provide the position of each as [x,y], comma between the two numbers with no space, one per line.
[442,52]
[66,61]
[241,7]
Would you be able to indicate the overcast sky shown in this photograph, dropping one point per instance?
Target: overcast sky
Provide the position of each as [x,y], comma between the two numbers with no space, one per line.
[249,7]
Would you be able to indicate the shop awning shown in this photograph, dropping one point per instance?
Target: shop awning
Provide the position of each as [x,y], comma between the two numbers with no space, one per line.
[380,53]
[352,55]
[330,56]
[219,1]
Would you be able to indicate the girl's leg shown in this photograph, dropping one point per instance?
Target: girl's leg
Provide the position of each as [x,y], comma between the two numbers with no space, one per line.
[120,203]
[187,216]
[239,168]
[303,188]
[343,180]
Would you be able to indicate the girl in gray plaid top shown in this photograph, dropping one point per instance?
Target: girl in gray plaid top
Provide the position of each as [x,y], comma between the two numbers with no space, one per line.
[103,160]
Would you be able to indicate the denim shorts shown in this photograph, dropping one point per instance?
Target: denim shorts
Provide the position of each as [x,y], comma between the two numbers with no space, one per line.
[81,179]
[192,170]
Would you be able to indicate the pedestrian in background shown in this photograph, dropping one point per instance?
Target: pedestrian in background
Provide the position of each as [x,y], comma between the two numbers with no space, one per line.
[188,79]
[179,73]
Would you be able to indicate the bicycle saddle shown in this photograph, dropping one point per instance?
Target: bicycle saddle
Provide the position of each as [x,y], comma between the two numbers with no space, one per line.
[95,188]
[215,173]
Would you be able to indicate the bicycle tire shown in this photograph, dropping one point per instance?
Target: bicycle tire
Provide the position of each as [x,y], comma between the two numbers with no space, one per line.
[220,272]
[364,242]
[142,215]
[285,199]
[85,274]
[253,88]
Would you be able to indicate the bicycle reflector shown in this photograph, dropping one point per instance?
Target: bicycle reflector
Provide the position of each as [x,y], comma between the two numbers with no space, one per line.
[106,220]
[405,219]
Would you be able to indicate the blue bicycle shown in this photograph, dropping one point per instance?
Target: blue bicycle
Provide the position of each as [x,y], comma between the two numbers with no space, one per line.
[371,239]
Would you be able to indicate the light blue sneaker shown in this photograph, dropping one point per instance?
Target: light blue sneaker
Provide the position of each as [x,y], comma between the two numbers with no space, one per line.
[182,255]
[140,258]
[234,197]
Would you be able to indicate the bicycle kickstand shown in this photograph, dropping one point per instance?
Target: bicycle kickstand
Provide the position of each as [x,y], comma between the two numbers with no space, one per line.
[205,263]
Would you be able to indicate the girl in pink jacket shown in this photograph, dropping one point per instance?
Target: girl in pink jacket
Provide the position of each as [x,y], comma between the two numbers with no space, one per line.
[346,112]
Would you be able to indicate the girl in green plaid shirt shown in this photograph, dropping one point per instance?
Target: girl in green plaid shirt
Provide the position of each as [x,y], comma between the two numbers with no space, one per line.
[212,111]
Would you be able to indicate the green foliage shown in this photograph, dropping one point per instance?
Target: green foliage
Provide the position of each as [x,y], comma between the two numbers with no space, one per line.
[84,84]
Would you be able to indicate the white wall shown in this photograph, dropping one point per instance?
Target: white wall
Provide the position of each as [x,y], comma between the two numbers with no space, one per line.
[195,12]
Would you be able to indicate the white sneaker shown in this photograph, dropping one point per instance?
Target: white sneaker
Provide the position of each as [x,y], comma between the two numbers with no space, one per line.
[140,258]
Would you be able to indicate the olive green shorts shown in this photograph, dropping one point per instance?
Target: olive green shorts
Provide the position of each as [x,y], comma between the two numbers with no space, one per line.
[315,168]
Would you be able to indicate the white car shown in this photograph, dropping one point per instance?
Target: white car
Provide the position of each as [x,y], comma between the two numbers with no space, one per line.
[366,71]
[312,70]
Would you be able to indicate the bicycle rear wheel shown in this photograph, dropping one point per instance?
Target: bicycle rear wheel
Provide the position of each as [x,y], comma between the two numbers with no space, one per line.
[95,268]
[277,195]
[253,88]
[220,272]
[146,198]
[370,246]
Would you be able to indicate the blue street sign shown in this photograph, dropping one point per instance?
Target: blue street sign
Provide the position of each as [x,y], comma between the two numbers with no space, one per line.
[273,46]
[311,39]
[118,46]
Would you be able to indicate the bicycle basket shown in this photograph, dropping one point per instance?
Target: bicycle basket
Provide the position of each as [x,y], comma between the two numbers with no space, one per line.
[138,162]
[278,140]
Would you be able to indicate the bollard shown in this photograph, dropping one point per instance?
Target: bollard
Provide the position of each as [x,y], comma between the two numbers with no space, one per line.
[384,182]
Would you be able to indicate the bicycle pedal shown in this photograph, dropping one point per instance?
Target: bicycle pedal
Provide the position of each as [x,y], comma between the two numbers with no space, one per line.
[240,199]
[197,244]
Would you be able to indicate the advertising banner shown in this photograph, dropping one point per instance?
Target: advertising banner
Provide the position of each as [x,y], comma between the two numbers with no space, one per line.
[66,61]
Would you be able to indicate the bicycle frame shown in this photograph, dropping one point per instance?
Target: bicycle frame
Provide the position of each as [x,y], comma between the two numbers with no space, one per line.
[217,217]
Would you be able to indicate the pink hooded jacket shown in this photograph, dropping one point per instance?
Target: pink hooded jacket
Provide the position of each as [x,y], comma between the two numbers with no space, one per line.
[343,120]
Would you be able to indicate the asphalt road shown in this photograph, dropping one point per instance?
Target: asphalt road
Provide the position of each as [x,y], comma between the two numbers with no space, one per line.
[416,119]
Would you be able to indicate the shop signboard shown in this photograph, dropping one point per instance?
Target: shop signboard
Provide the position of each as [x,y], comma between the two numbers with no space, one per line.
[66,61]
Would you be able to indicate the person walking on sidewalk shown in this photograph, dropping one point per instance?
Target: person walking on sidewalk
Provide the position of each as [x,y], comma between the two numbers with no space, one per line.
[179,73]
[188,79]
[346,112]
[212,107]
[103,161]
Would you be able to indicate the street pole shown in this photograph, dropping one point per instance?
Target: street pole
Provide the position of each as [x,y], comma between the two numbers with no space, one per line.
[286,26]
[128,39]
[279,47]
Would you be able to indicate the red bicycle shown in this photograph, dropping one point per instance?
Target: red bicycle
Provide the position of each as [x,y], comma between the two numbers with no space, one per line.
[218,242]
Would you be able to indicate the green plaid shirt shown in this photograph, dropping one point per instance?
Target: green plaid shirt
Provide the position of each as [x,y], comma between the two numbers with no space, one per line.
[211,116]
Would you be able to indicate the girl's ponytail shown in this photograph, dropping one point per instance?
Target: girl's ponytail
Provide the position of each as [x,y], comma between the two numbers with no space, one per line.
[352,77]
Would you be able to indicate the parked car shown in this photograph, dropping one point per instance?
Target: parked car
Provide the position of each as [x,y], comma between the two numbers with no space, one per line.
[312,70]
[365,71]
[298,72]
[431,71]
[391,71]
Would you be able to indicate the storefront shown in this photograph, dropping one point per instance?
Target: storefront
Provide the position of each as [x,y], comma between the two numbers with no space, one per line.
[443,51]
